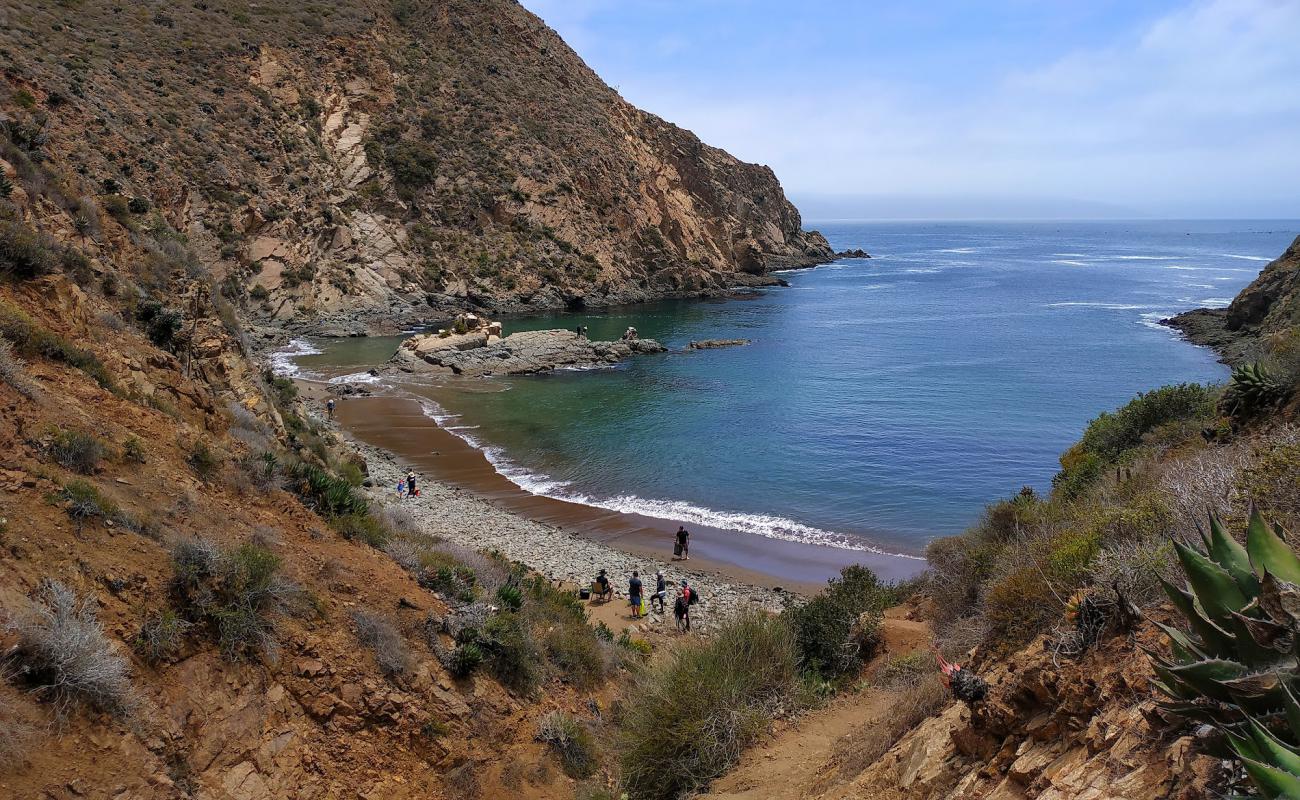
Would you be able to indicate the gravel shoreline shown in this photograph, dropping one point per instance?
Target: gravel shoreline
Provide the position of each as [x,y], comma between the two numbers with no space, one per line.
[461,517]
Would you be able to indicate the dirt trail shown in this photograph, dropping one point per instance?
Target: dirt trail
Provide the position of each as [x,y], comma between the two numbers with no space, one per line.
[798,762]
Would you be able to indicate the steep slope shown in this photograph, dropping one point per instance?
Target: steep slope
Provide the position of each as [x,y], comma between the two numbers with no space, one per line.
[1266,309]
[382,162]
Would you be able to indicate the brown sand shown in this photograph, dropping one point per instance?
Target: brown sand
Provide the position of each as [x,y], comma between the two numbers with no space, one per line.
[398,425]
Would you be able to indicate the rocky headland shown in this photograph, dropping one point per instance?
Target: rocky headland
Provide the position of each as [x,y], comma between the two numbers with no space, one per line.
[1269,307]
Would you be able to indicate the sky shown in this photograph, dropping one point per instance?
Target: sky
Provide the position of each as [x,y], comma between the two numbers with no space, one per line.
[999,108]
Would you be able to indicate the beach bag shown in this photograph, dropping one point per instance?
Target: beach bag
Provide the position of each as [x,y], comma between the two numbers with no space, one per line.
[679,608]
[677,549]
[642,609]
[695,597]
[584,594]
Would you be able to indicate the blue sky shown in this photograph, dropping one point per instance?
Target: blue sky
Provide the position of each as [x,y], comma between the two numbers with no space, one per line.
[995,108]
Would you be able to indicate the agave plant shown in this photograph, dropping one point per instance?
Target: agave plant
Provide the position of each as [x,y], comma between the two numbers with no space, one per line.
[1237,669]
[1253,389]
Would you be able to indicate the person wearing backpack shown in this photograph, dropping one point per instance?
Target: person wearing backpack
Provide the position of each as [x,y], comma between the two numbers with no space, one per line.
[661,591]
[682,607]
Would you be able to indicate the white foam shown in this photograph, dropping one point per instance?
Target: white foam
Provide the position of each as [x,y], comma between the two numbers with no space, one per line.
[767,526]
[355,377]
[1216,302]
[920,271]
[1244,258]
[281,361]
[1071,255]
[1111,306]
[1069,263]
[959,250]
[1145,258]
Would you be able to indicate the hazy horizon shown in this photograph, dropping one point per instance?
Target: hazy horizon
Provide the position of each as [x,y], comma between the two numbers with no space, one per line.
[1154,108]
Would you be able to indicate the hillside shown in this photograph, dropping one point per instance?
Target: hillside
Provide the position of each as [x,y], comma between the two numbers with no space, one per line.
[364,165]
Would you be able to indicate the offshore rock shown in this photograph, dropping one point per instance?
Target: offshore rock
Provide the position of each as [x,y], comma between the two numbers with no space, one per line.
[709,344]
[530,352]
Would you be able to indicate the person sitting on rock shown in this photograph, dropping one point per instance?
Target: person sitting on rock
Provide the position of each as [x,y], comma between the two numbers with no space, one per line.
[602,589]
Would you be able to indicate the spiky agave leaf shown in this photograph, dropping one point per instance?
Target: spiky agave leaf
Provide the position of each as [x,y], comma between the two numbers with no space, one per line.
[1215,590]
[1268,552]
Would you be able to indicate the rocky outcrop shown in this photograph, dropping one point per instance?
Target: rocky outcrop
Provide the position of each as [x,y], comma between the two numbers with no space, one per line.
[1052,728]
[369,166]
[1268,307]
[518,354]
[709,344]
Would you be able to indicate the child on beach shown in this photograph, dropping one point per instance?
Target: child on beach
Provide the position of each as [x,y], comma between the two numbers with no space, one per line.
[401,488]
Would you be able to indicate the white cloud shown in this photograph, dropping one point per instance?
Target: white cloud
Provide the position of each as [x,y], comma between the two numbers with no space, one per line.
[1199,112]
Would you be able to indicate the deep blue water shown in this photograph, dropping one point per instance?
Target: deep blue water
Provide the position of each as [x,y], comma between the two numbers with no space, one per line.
[883,401]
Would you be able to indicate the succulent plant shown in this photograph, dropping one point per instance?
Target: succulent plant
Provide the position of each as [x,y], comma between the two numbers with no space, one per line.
[1236,669]
[1253,388]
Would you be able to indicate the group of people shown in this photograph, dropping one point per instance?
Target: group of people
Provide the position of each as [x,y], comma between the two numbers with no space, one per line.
[603,589]
[630,335]
[406,486]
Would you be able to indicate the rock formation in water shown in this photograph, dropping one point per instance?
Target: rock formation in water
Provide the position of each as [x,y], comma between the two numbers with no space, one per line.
[524,353]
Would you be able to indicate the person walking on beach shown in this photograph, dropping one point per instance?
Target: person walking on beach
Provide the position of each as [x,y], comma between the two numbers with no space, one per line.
[411,491]
[634,594]
[329,407]
[683,548]
[661,591]
[401,488]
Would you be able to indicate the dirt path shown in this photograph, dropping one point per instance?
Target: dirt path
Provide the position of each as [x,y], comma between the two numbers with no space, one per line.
[798,762]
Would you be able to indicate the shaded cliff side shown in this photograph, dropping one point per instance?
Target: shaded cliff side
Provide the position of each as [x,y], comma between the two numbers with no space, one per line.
[1268,308]
[334,164]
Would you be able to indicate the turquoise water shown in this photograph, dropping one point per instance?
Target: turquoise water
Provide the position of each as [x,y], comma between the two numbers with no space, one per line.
[882,402]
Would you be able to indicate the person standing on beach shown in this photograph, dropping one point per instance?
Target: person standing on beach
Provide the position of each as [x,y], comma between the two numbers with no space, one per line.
[682,608]
[411,491]
[634,594]
[401,488]
[683,543]
[661,591]
[329,407]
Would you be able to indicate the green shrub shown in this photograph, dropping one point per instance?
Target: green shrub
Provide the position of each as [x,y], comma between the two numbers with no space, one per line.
[465,659]
[575,652]
[235,594]
[76,450]
[283,391]
[571,741]
[331,496]
[205,461]
[361,527]
[160,636]
[1110,434]
[414,166]
[82,501]
[161,323]
[510,596]
[133,450]
[24,253]
[689,717]
[512,652]
[33,340]
[835,630]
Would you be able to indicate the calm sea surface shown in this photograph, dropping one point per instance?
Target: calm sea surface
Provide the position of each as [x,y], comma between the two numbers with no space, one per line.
[882,402]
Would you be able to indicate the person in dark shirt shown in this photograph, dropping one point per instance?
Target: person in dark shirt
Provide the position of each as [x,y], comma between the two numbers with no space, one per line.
[661,591]
[604,591]
[634,594]
[683,537]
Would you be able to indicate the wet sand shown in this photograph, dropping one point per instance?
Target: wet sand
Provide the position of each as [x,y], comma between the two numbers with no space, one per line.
[398,426]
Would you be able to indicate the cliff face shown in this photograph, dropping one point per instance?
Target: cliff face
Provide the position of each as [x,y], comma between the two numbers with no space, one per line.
[347,165]
[1268,307]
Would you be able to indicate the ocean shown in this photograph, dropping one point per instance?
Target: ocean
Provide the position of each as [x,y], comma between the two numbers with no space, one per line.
[882,402]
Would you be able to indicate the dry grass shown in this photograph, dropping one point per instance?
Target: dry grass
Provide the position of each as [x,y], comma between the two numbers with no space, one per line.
[16,736]
[380,635]
[63,652]
[914,704]
[13,371]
